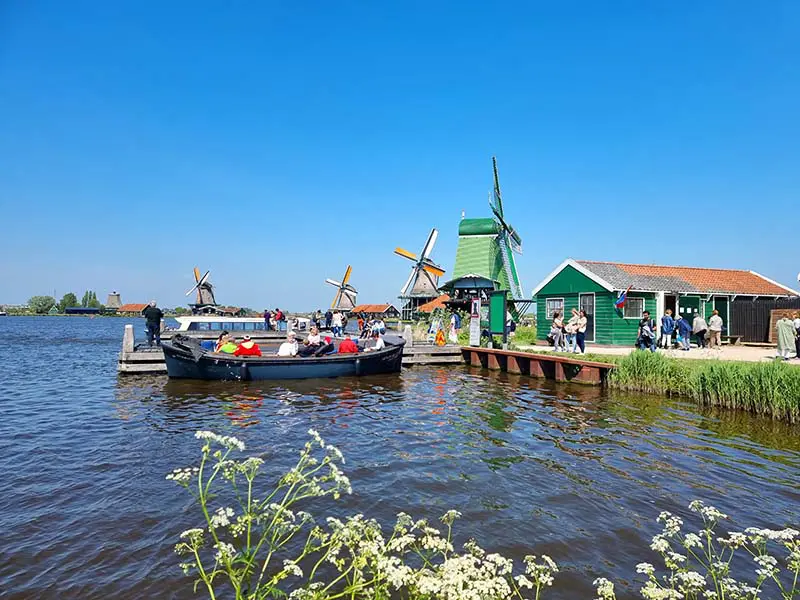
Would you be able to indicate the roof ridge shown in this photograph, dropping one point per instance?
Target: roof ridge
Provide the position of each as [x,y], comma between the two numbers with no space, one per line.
[609,262]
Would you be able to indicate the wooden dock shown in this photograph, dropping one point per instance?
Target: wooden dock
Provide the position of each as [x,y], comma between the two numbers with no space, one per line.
[548,366]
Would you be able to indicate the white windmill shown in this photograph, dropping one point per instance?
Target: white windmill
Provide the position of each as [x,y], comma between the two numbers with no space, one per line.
[345,298]
[205,292]
[422,284]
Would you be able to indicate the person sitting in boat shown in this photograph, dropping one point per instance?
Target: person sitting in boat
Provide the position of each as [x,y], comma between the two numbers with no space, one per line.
[311,344]
[377,343]
[289,347]
[223,337]
[348,346]
[326,348]
[247,348]
[229,345]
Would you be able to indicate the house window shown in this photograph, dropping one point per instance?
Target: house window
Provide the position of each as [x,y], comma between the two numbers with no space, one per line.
[554,305]
[634,307]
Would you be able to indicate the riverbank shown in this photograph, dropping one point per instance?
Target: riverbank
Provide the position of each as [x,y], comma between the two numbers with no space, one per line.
[766,388]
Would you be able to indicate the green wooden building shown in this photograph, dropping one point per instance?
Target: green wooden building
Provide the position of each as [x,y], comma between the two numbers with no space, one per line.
[744,299]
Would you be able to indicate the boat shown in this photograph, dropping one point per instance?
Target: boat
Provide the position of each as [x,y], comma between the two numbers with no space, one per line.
[198,323]
[186,359]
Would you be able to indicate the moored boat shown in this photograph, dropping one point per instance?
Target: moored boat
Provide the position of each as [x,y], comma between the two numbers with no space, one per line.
[186,359]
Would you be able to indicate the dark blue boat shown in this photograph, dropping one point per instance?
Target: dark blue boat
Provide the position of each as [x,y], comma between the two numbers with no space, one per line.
[186,359]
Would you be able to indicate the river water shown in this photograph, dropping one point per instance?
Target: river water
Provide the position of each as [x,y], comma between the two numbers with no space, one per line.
[578,473]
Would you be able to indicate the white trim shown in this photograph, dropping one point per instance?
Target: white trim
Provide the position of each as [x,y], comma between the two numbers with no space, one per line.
[661,303]
[795,292]
[581,269]
[550,317]
[594,314]
[644,306]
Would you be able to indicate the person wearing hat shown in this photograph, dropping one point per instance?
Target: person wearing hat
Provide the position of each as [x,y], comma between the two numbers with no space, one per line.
[247,348]
[289,347]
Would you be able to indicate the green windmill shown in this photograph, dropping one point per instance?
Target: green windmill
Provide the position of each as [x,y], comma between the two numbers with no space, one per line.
[485,255]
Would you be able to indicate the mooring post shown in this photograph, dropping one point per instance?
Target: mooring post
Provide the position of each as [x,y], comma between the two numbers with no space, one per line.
[408,336]
[128,339]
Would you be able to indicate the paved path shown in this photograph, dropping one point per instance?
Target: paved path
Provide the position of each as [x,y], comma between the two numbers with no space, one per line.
[742,353]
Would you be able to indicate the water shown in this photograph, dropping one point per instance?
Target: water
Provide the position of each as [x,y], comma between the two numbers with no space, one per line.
[573,472]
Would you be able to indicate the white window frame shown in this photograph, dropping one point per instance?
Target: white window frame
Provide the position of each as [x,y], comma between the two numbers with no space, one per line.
[627,301]
[549,313]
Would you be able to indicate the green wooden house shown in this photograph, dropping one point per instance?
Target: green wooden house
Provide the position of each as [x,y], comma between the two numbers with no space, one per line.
[744,299]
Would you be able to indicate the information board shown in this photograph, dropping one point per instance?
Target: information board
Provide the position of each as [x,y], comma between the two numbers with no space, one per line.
[475,323]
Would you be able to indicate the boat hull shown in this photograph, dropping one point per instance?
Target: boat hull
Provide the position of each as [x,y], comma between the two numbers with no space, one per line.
[184,361]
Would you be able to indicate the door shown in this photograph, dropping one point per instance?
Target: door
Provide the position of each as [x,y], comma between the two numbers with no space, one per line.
[721,304]
[689,307]
[586,302]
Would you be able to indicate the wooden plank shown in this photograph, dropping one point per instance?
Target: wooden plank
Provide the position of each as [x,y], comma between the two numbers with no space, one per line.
[142,369]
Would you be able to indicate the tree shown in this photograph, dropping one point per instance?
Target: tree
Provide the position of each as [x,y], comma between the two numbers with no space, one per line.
[41,304]
[67,301]
[90,300]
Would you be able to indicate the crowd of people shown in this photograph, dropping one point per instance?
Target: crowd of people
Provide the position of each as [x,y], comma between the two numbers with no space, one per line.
[679,331]
[569,336]
[274,320]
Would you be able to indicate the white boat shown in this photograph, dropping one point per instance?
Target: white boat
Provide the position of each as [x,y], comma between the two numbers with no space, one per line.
[243,325]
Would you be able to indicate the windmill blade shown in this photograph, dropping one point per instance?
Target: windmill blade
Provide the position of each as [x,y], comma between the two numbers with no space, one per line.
[498,200]
[349,288]
[408,282]
[336,298]
[346,277]
[351,294]
[428,248]
[434,270]
[193,288]
[197,275]
[204,279]
[405,254]
[333,282]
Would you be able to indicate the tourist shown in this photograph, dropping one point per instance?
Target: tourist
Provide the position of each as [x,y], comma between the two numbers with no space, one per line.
[571,331]
[267,316]
[221,339]
[381,326]
[247,348]
[326,348]
[700,329]
[684,333]
[153,316]
[715,331]
[378,343]
[360,323]
[796,323]
[229,346]
[337,324]
[289,347]
[328,319]
[787,336]
[667,329]
[646,338]
[280,320]
[312,342]
[347,346]
[557,332]
[580,335]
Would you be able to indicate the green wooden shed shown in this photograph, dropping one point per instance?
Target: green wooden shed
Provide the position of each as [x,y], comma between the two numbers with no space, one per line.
[743,298]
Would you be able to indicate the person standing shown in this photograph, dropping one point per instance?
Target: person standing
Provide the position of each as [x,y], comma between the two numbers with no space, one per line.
[699,329]
[715,330]
[328,319]
[646,337]
[580,335]
[787,337]
[796,323]
[557,331]
[153,316]
[571,331]
[667,329]
[266,319]
[337,324]
[684,333]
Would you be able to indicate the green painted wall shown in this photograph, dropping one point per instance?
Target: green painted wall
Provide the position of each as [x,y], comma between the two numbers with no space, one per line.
[570,281]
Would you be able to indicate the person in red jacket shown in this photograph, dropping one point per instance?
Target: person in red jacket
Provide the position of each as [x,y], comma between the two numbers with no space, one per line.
[348,346]
[247,348]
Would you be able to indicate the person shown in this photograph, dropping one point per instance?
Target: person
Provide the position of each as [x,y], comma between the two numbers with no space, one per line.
[796,323]
[317,318]
[378,343]
[266,319]
[571,331]
[557,331]
[787,336]
[684,333]
[452,334]
[280,320]
[289,347]
[580,335]
[715,331]
[348,346]
[326,348]
[455,323]
[667,329]
[153,316]
[229,346]
[247,348]
[381,326]
[221,339]
[328,319]
[360,322]
[337,324]
[646,337]
[312,342]
[699,329]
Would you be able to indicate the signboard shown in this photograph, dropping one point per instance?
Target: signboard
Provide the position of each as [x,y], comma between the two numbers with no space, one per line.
[475,323]
[497,312]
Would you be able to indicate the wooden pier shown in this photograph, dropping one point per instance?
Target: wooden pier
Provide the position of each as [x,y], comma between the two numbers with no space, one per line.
[548,366]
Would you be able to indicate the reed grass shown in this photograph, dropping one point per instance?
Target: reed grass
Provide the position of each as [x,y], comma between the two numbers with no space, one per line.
[770,389]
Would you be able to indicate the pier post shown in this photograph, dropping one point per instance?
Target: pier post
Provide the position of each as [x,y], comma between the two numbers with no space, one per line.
[128,339]
[408,336]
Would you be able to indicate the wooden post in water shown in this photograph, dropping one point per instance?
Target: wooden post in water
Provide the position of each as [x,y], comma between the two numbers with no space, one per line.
[128,339]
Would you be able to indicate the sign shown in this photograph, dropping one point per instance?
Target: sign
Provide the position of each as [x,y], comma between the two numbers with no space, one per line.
[475,323]
[497,312]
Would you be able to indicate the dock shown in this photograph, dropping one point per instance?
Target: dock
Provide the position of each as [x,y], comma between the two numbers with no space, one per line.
[547,366]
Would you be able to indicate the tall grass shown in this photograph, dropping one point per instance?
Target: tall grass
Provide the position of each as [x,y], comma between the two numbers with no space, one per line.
[771,389]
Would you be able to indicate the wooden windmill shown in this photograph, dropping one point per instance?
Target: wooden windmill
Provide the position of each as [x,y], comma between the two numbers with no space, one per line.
[205,292]
[423,282]
[345,298]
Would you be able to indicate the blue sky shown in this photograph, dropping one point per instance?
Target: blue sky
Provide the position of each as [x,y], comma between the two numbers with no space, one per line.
[274,143]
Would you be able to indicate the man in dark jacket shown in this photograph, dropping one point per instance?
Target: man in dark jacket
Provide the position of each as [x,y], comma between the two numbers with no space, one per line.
[153,315]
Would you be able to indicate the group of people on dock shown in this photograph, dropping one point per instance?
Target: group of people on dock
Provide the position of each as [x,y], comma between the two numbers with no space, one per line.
[274,320]
[678,331]
[569,336]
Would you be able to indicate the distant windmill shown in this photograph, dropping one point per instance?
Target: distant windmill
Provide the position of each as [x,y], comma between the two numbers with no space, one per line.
[204,289]
[423,282]
[345,297]
[508,239]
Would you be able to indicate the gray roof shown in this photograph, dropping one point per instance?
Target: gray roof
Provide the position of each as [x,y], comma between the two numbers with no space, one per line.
[621,279]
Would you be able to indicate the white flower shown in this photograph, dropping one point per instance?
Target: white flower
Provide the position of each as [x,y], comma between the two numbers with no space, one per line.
[709,513]
[317,438]
[291,568]
[450,516]
[768,566]
[228,441]
[692,540]
[660,544]
[183,476]
[645,568]
[734,540]
[690,581]
[605,589]
[221,518]
[225,551]
[780,535]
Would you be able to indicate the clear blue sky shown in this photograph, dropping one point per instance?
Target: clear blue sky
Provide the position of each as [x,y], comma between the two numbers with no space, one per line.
[274,143]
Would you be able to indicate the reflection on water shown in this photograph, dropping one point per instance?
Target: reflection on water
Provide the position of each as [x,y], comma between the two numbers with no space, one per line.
[574,472]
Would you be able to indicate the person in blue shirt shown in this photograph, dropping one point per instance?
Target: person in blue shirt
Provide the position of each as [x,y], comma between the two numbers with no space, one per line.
[667,329]
[684,332]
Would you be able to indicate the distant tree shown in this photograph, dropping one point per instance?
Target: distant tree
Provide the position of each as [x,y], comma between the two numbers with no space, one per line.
[93,301]
[68,300]
[41,304]
[180,310]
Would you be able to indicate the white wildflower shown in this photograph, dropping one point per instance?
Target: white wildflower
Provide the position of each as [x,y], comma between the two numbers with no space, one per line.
[450,516]
[605,589]
[645,568]
[225,551]
[660,544]
[709,513]
[690,582]
[290,568]
[734,540]
[768,566]
[317,438]
[692,540]
[228,441]
[523,582]
[222,518]
[335,454]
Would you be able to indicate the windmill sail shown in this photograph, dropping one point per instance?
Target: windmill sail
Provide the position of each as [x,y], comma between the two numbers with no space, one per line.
[204,289]
[346,294]
[423,280]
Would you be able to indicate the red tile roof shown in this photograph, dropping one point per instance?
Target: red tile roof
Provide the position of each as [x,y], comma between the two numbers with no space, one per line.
[434,304]
[371,308]
[134,308]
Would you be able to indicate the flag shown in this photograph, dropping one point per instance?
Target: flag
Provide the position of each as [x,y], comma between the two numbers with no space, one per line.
[622,297]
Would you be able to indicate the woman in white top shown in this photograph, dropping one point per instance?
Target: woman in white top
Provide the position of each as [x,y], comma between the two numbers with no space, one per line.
[557,332]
